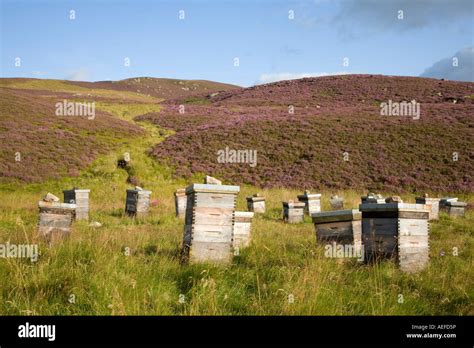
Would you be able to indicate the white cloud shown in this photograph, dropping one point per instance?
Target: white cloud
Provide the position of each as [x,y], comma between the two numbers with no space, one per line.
[274,77]
[444,68]
[78,75]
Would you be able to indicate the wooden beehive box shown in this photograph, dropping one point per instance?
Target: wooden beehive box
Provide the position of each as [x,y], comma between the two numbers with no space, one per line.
[312,202]
[337,203]
[209,223]
[81,199]
[256,204]
[432,204]
[137,202]
[293,212]
[180,202]
[242,228]
[340,227]
[373,199]
[397,230]
[55,219]
[455,208]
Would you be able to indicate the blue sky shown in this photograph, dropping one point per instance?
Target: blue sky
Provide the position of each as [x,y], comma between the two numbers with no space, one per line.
[268,44]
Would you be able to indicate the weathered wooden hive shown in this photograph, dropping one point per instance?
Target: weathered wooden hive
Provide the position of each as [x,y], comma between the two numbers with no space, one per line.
[337,203]
[373,198]
[432,203]
[242,228]
[256,204]
[180,202]
[137,202]
[454,208]
[396,230]
[312,202]
[81,199]
[340,227]
[209,222]
[293,212]
[55,219]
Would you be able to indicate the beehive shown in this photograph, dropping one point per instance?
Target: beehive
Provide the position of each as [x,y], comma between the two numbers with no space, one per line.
[432,204]
[336,203]
[341,227]
[293,212]
[209,223]
[180,202]
[396,230]
[312,202]
[372,198]
[242,227]
[81,199]
[455,208]
[55,219]
[256,204]
[137,202]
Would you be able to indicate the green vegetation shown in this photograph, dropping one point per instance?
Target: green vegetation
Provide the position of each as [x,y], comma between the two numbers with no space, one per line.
[283,262]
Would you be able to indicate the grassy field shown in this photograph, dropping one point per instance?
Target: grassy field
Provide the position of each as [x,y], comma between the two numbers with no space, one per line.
[131,267]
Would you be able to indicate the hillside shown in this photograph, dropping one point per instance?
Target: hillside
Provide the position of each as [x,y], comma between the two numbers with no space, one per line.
[159,87]
[332,116]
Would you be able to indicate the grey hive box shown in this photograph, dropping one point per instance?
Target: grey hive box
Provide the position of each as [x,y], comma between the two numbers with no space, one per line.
[256,204]
[80,198]
[340,226]
[293,212]
[137,202]
[312,202]
[180,202]
[397,230]
[242,228]
[337,203]
[432,204]
[455,208]
[55,219]
[209,223]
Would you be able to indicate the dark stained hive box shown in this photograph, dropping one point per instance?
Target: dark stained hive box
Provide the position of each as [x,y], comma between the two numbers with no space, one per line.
[256,204]
[293,212]
[340,226]
[312,202]
[397,230]
[137,202]
[81,199]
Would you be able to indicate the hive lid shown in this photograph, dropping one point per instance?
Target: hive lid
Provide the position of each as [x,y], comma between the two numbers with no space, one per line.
[43,204]
[77,190]
[379,207]
[291,204]
[336,215]
[180,192]
[309,195]
[244,214]
[456,204]
[255,199]
[212,188]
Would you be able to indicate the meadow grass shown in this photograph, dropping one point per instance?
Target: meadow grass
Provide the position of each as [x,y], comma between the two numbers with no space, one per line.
[132,266]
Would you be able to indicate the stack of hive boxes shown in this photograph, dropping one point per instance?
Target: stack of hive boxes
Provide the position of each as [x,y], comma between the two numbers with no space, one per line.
[81,199]
[209,222]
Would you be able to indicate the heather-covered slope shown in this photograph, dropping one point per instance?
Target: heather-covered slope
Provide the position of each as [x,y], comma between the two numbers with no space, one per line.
[159,87]
[37,144]
[332,116]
